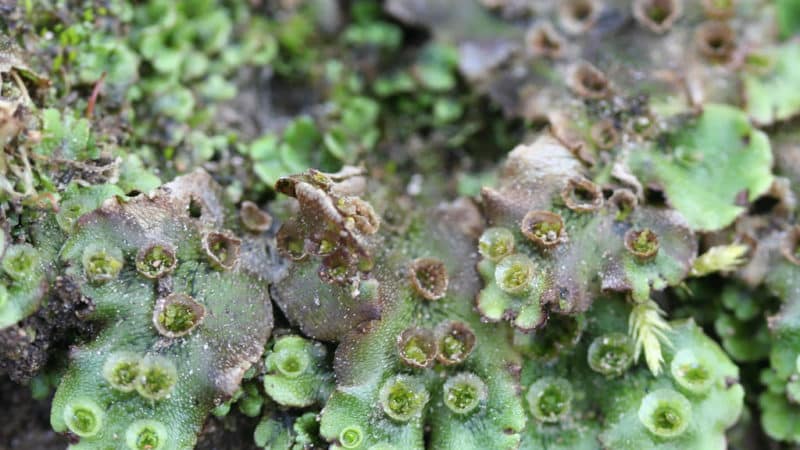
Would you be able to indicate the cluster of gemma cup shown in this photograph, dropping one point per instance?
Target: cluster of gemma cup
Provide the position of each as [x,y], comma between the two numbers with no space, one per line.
[161,286]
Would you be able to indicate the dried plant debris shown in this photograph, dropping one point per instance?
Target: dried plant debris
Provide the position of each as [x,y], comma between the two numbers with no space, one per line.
[331,243]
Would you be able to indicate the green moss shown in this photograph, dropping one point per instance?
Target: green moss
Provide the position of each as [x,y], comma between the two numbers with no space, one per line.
[732,156]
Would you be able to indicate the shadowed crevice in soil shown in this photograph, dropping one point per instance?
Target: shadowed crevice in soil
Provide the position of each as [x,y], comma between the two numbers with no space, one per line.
[26,422]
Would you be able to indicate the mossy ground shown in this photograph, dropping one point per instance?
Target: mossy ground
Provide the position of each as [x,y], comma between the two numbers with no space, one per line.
[427,122]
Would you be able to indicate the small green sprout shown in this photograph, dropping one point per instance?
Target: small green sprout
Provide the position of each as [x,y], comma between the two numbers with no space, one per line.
[222,249]
[156,260]
[177,315]
[146,435]
[464,392]
[351,437]
[102,263]
[428,278]
[251,401]
[456,342]
[721,258]
[121,370]
[20,262]
[611,354]
[515,273]
[496,243]
[759,63]
[643,244]
[417,347]
[157,377]
[271,433]
[665,413]
[297,372]
[691,372]
[403,397]
[647,326]
[84,417]
[550,399]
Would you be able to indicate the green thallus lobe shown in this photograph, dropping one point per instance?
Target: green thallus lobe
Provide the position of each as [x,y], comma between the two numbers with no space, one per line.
[3,296]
